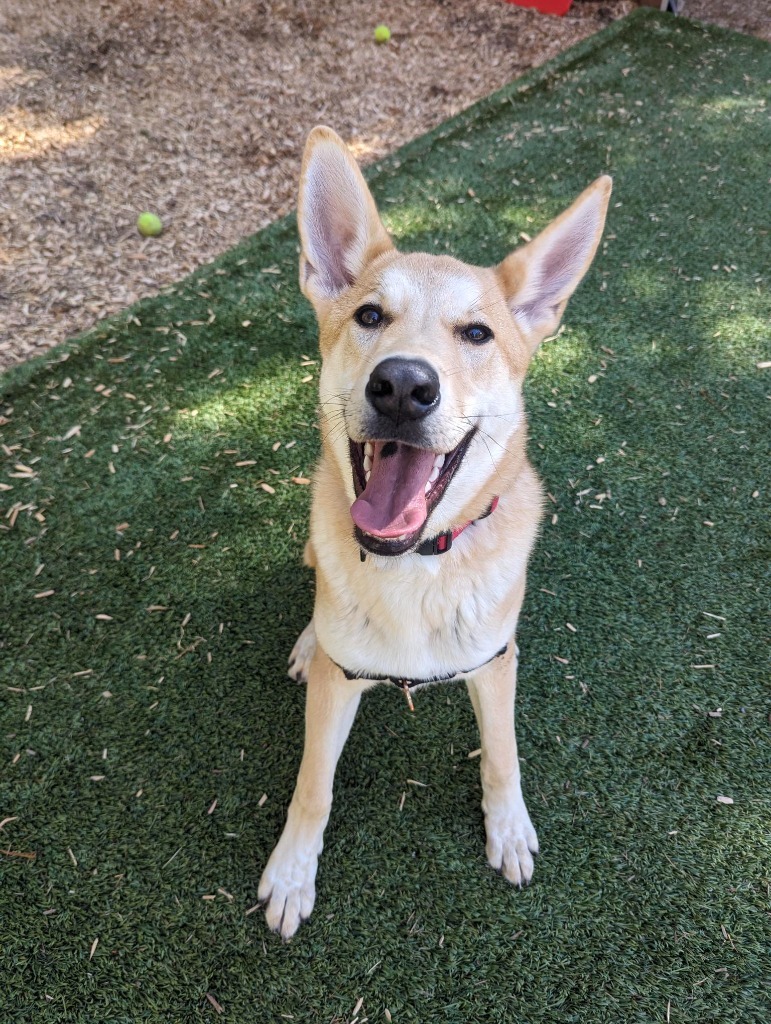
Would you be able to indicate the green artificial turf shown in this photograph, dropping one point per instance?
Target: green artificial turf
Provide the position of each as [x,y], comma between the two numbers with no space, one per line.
[136,748]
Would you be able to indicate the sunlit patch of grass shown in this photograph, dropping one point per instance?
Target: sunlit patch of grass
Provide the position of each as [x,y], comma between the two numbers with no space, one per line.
[410,218]
[562,356]
[731,105]
[251,400]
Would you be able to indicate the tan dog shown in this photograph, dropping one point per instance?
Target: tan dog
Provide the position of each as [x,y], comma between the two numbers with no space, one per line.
[424,433]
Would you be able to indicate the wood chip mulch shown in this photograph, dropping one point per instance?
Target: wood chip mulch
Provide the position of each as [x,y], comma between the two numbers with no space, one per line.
[197,110]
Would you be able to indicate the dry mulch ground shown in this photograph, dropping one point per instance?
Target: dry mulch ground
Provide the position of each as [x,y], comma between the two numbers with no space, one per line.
[197,110]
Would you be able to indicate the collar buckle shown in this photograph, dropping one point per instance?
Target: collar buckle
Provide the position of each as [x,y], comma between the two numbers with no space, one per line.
[436,545]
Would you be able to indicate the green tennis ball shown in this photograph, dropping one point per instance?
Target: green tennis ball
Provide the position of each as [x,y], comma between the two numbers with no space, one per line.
[382,34]
[149,225]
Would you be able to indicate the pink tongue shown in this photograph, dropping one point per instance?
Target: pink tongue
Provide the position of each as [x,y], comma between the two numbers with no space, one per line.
[394,500]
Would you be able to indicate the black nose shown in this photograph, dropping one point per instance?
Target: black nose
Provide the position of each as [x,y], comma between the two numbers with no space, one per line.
[403,389]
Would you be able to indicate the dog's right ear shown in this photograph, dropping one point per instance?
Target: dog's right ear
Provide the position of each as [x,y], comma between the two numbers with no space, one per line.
[340,229]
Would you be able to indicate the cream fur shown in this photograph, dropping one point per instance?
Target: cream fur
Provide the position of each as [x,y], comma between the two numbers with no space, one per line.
[409,615]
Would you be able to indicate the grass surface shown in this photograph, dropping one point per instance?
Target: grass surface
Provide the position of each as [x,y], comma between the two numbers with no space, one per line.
[136,748]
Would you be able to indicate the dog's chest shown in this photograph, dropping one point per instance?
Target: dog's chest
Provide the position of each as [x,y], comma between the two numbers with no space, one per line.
[419,620]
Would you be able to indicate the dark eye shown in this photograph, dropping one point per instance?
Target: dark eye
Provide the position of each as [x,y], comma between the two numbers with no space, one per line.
[477,334]
[369,316]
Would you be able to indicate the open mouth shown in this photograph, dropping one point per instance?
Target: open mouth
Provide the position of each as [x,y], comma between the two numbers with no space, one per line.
[397,488]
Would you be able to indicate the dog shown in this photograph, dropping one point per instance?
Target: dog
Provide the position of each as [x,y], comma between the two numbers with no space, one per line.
[425,507]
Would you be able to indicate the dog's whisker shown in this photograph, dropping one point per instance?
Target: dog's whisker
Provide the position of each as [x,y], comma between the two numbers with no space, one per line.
[495,441]
[340,399]
[476,305]
[336,415]
[337,426]
[485,415]
[483,309]
[483,433]
[337,421]
[497,473]
[494,415]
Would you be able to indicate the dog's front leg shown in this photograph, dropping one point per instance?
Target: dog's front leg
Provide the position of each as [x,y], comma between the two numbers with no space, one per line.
[288,881]
[511,838]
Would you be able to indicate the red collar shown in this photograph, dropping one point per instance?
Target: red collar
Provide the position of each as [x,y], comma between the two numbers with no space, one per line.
[443,541]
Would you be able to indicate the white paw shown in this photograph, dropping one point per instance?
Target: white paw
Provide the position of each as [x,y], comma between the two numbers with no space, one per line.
[288,887]
[302,654]
[511,841]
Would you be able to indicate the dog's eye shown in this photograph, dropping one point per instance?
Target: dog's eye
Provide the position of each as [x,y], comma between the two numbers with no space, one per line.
[478,334]
[369,316]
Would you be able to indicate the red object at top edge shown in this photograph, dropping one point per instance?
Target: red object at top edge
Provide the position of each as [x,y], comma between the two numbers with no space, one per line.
[559,7]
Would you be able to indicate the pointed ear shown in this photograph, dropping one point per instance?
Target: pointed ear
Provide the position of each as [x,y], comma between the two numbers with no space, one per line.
[539,278]
[340,229]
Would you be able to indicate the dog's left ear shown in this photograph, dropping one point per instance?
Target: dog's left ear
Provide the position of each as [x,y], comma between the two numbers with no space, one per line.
[539,278]
[340,229]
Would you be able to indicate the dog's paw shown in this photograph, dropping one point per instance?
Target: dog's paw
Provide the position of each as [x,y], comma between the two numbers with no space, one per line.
[511,841]
[302,654]
[288,889]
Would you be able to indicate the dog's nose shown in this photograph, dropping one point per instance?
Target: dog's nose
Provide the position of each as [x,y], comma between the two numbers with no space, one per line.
[403,389]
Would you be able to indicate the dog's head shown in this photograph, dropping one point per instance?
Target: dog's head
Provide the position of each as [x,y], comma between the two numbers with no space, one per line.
[423,356]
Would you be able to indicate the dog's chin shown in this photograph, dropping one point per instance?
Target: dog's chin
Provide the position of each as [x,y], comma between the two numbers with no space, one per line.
[388,546]
[391,546]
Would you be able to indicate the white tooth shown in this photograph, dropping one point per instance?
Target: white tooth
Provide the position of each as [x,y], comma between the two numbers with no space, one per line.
[434,475]
[439,462]
[428,486]
[369,449]
[368,474]
[367,463]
